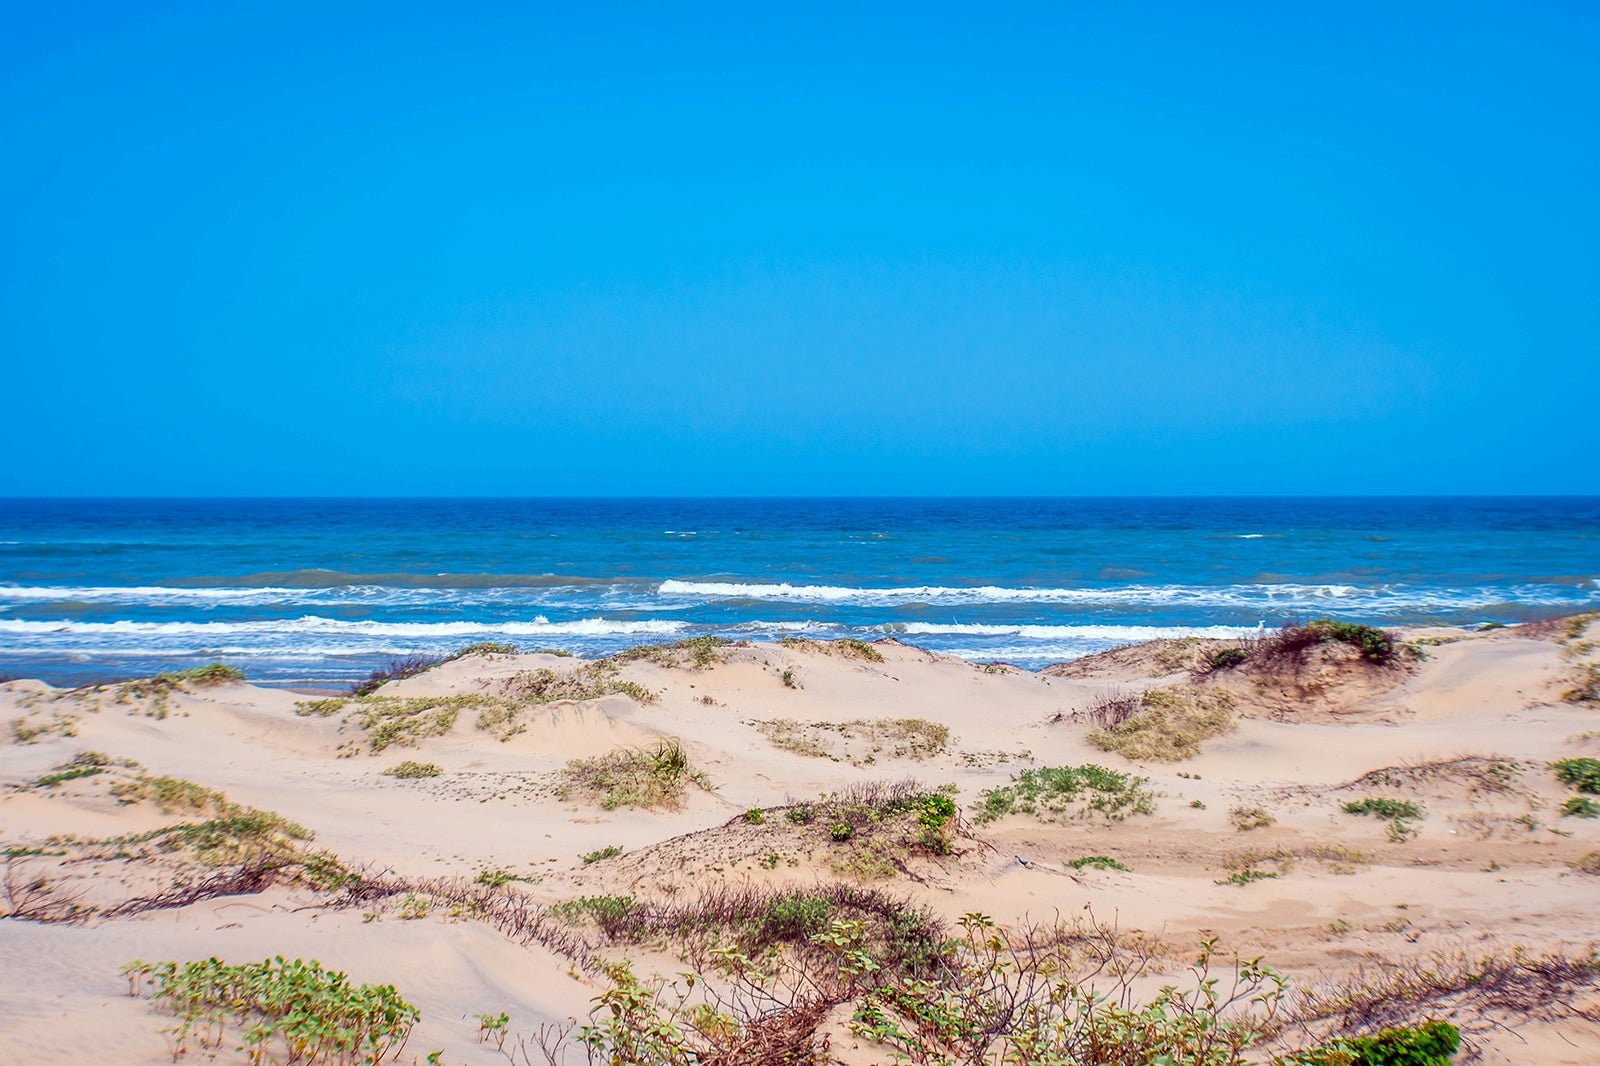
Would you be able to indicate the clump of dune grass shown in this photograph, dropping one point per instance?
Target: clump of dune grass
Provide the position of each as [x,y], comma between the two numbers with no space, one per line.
[410,770]
[1586,685]
[484,648]
[697,652]
[843,647]
[407,721]
[1168,725]
[588,681]
[655,776]
[1245,819]
[210,674]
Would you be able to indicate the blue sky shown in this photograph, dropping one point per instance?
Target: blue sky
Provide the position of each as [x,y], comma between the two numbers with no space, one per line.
[651,249]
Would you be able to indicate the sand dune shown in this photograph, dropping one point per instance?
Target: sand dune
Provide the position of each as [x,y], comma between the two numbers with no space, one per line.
[1463,727]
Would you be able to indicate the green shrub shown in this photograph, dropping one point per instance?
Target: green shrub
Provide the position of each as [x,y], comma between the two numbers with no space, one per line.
[610,851]
[801,814]
[1582,774]
[1376,645]
[1428,1044]
[1580,807]
[842,831]
[610,913]
[1228,658]
[755,816]
[796,917]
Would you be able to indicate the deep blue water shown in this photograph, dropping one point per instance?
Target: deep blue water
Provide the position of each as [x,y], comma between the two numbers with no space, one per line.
[322,590]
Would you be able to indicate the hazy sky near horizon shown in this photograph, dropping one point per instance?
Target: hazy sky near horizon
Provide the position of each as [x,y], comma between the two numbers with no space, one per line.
[613,249]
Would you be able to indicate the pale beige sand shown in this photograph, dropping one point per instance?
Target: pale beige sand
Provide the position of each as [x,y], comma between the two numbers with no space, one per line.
[1475,875]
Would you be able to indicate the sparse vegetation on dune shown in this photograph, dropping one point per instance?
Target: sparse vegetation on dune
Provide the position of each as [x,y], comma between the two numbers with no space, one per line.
[1244,819]
[861,741]
[701,653]
[411,771]
[843,647]
[655,776]
[1586,685]
[210,674]
[1052,792]
[1167,725]
[588,681]
[405,721]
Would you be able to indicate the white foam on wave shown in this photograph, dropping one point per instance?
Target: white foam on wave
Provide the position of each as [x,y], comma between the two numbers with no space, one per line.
[312,624]
[1153,594]
[1088,632]
[1274,596]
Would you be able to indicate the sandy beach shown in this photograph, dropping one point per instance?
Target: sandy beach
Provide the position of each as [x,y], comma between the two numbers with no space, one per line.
[1231,820]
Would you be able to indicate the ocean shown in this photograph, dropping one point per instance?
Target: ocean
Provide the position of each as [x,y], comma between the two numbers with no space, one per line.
[319,591]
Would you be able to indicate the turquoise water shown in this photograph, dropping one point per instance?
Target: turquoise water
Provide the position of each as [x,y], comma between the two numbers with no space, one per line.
[322,590]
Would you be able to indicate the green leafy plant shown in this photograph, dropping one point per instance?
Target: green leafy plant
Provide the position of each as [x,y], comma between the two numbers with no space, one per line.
[1580,807]
[1429,1044]
[1099,862]
[1070,790]
[279,1011]
[1398,813]
[1582,774]
[610,851]
[841,831]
